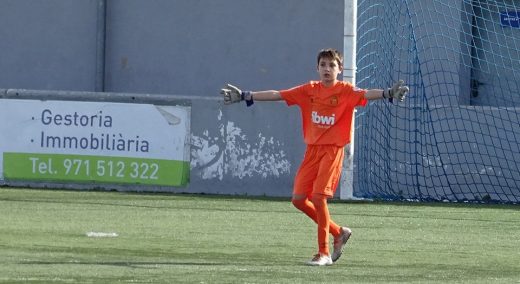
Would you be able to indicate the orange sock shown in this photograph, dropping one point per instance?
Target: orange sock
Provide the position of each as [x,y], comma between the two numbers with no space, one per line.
[306,206]
[322,214]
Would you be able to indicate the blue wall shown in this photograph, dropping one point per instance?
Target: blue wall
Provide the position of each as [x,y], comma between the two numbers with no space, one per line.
[187,48]
[48,44]
[190,48]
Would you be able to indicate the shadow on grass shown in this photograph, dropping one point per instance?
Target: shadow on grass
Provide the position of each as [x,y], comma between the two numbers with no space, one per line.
[162,196]
[131,264]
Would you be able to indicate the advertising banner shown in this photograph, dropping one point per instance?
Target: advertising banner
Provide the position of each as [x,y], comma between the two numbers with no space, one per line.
[94,142]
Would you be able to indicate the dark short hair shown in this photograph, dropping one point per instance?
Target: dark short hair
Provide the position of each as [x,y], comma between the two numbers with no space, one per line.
[332,54]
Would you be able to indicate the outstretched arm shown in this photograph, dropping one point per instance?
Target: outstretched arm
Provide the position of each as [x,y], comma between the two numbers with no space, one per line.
[233,94]
[374,94]
[270,95]
[397,91]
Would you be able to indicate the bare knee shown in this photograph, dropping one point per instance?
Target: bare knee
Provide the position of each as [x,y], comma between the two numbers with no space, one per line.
[319,200]
[298,200]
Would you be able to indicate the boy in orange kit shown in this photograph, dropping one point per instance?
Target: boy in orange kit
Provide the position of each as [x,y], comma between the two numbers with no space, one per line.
[327,107]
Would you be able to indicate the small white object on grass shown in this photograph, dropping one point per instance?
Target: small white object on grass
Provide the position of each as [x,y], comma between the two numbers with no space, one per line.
[101,235]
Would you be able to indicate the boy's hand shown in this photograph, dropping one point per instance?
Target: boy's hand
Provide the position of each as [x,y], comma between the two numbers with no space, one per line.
[398,91]
[233,94]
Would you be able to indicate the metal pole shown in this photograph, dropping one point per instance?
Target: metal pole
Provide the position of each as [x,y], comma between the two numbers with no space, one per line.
[349,74]
[100,45]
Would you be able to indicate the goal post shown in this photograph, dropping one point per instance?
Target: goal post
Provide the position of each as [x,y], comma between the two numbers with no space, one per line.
[349,75]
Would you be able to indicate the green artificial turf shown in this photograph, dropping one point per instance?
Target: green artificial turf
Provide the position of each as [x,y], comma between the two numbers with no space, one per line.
[167,238]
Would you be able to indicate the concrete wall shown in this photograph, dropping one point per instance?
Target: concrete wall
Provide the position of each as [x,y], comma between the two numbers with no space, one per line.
[187,48]
[190,48]
[496,57]
[48,44]
[193,47]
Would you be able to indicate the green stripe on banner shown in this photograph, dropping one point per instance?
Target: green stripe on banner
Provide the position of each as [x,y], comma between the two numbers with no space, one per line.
[102,169]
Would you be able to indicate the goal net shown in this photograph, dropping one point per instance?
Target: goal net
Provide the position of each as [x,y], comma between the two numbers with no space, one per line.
[457,136]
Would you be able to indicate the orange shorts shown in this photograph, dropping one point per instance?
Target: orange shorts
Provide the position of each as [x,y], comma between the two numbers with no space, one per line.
[320,170]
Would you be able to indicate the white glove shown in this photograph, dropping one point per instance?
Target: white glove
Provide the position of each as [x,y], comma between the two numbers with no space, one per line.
[233,94]
[398,91]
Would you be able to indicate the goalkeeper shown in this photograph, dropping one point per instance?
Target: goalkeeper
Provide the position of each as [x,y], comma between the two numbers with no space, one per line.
[326,107]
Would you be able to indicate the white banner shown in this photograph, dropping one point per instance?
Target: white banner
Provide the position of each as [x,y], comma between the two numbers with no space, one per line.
[93,141]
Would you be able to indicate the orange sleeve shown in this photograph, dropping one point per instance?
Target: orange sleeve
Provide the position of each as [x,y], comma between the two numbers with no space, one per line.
[359,94]
[293,95]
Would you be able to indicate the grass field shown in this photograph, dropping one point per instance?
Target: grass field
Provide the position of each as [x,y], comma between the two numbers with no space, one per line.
[166,238]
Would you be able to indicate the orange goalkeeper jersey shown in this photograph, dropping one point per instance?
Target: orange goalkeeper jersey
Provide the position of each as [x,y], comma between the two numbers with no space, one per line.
[326,111]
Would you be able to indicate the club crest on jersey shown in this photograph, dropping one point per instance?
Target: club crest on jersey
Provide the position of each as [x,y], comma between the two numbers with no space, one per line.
[334,101]
[323,120]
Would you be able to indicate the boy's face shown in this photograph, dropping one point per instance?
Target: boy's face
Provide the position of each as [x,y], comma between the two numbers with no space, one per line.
[328,69]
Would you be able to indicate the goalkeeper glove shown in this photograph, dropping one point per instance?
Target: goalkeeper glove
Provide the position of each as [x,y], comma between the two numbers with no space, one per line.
[398,91]
[233,95]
